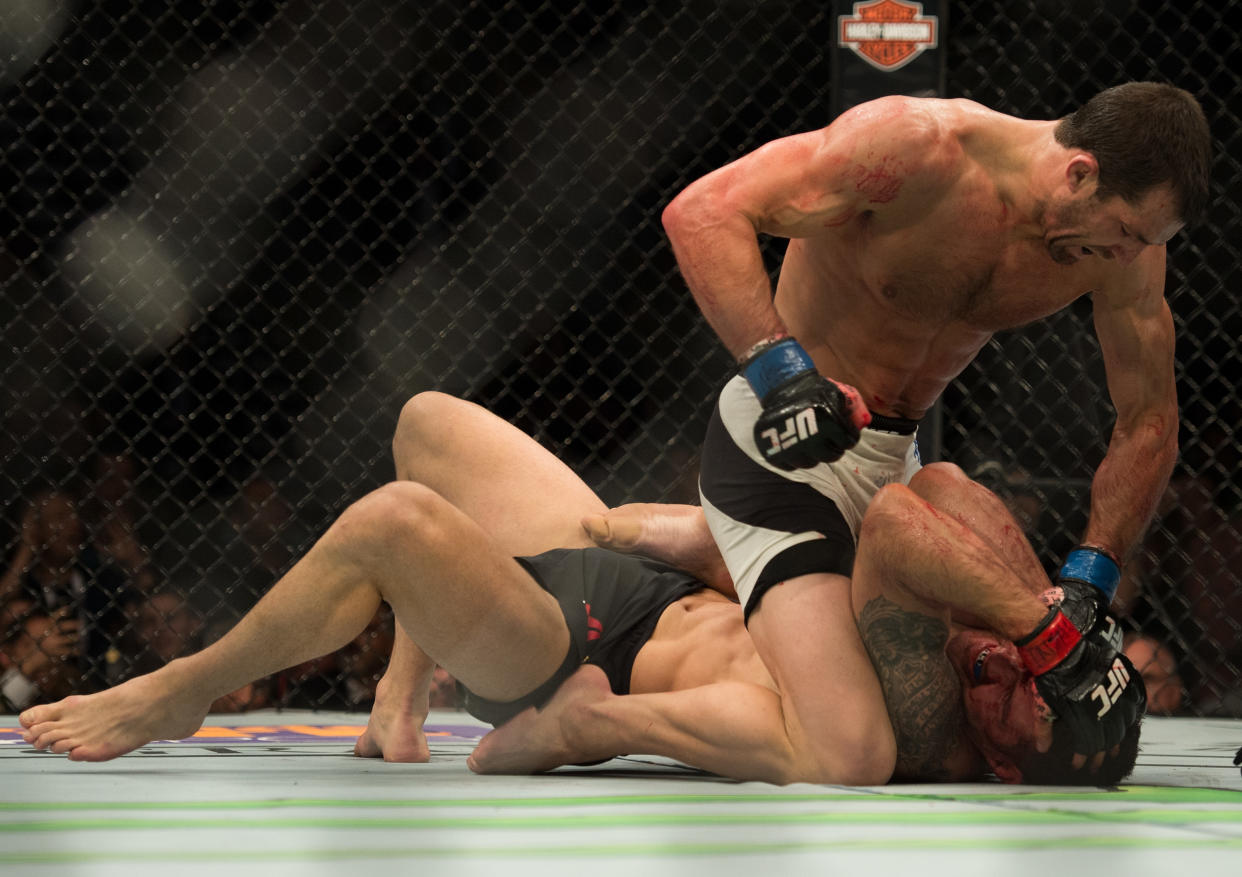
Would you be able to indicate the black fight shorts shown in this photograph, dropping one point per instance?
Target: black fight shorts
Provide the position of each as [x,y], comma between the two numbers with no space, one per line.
[611,603]
[773,525]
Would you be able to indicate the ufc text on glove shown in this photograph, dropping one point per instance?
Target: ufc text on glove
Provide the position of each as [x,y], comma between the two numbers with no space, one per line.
[805,419]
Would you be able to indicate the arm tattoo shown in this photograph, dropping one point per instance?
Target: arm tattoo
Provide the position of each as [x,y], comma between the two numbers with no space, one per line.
[922,692]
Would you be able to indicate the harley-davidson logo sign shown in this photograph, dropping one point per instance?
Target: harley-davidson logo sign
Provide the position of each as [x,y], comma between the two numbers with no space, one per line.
[889,34]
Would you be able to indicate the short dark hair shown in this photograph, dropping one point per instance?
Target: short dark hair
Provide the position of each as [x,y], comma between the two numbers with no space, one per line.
[1056,768]
[1144,134]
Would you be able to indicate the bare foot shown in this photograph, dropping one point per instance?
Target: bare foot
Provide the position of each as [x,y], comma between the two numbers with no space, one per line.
[538,740]
[395,729]
[97,727]
[674,534]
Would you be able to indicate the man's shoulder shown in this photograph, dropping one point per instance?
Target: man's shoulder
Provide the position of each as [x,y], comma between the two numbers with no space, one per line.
[923,115]
[927,134]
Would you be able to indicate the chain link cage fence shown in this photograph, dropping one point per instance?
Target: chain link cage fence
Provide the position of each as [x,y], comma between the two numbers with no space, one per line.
[239,234]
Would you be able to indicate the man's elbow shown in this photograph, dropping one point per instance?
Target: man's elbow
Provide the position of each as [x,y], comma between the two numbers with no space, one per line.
[1158,430]
[1169,443]
[703,204]
[1155,426]
[672,216]
[683,212]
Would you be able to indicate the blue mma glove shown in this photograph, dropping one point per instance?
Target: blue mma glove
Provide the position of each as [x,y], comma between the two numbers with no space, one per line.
[806,419]
[1089,579]
[1095,567]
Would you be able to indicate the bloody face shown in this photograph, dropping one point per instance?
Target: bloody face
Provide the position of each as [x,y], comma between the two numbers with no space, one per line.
[1007,717]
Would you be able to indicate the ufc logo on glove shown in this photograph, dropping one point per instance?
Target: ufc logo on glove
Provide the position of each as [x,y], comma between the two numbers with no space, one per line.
[798,427]
[1118,679]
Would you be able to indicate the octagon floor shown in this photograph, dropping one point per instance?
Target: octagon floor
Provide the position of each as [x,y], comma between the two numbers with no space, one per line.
[280,793]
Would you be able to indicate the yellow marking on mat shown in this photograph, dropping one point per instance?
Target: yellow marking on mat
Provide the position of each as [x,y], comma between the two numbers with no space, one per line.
[207,731]
[326,730]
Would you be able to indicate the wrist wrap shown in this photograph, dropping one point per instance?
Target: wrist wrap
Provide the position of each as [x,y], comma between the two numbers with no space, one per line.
[774,361]
[1095,567]
[1049,643]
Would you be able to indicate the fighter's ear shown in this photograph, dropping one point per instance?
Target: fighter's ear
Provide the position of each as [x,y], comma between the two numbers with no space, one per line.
[1082,171]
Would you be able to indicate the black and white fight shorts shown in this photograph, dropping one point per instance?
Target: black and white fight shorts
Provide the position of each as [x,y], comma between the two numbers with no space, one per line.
[773,525]
[611,603]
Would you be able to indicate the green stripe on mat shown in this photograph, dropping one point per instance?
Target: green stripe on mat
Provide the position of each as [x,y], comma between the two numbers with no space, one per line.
[629,850]
[980,818]
[1146,794]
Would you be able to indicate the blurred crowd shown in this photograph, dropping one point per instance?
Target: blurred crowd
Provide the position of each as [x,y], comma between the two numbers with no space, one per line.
[87,600]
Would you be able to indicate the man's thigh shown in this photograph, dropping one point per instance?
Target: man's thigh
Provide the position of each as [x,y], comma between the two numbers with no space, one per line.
[515,488]
[610,603]
[770,526]
[804,631]
[459,595]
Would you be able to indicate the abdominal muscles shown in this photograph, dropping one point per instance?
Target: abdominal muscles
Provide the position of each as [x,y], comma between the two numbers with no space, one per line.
[699,640]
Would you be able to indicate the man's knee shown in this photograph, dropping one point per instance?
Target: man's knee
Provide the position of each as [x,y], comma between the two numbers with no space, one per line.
[401,513]
[896,506]
[890,514]
[416,424]
[937,478]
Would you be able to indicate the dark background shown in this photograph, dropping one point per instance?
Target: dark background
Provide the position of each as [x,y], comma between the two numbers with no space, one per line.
[239,234]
